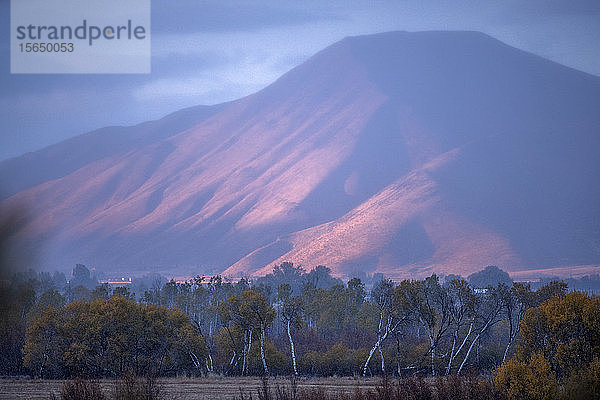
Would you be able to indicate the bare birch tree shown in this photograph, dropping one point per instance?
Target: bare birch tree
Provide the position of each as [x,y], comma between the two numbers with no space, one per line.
[391,316]
[489,313]
[462,314]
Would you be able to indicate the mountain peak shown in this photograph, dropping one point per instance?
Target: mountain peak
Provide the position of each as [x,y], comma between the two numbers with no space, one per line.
[401,152]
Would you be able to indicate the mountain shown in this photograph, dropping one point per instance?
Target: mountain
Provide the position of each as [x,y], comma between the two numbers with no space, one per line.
[403,153]
[31,169]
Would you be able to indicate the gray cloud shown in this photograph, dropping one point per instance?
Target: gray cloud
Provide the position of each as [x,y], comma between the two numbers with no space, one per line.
[233,16]
[541,8]
[205,52]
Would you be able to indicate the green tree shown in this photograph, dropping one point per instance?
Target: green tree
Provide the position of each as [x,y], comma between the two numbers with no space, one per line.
[428,304]
[50,298]
[462,314]
[383,298]
[237,320]
[292,311]
[101,292]
[487,314]
[260,314]
[516,302]
[17,298]
[82,276]
[551,289]
[45,345]
[81,293]
[490,276]
[109,337]
[123,292]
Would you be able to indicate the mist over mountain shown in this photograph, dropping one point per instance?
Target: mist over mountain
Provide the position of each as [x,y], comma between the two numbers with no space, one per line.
[403,153]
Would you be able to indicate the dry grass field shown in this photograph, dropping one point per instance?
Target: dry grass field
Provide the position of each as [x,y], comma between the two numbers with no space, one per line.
[209,388]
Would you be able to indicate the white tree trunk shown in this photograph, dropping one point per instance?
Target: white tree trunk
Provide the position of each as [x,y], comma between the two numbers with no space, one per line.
[262,348]
[432,356]
[244,353]
[382,359]
[369,357]
[195,360]
[468,352]
[289,332]
[249,348]
[431,343]
[510,342]
[398,355]
[457,352]
[449,366]
[380,340]
[486,326]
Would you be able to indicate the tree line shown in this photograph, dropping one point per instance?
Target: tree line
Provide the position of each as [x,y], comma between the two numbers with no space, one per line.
[288,322]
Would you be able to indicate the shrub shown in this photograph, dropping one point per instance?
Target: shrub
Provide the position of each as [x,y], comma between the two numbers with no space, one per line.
[132,387]
[414,388]
[81,389]
[338,360]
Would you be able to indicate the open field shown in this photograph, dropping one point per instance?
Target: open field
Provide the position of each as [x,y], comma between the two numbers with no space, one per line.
[185,389]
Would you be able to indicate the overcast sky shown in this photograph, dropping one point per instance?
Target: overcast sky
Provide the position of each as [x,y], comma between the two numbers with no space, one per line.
[208,52]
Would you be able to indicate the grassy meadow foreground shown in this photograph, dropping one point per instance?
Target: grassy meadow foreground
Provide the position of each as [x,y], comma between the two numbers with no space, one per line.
[170,388]
[275,388]
[187,389]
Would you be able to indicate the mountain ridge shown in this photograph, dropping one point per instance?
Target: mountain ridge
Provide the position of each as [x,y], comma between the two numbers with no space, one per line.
[105,141]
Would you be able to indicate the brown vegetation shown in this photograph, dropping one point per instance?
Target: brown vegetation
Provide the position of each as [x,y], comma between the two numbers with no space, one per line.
[558,356]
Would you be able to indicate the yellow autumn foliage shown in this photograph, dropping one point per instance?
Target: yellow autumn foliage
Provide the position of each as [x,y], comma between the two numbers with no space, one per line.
[558,356]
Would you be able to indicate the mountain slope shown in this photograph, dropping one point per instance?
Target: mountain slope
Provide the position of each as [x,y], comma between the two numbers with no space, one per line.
[31,169]
[400,152]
